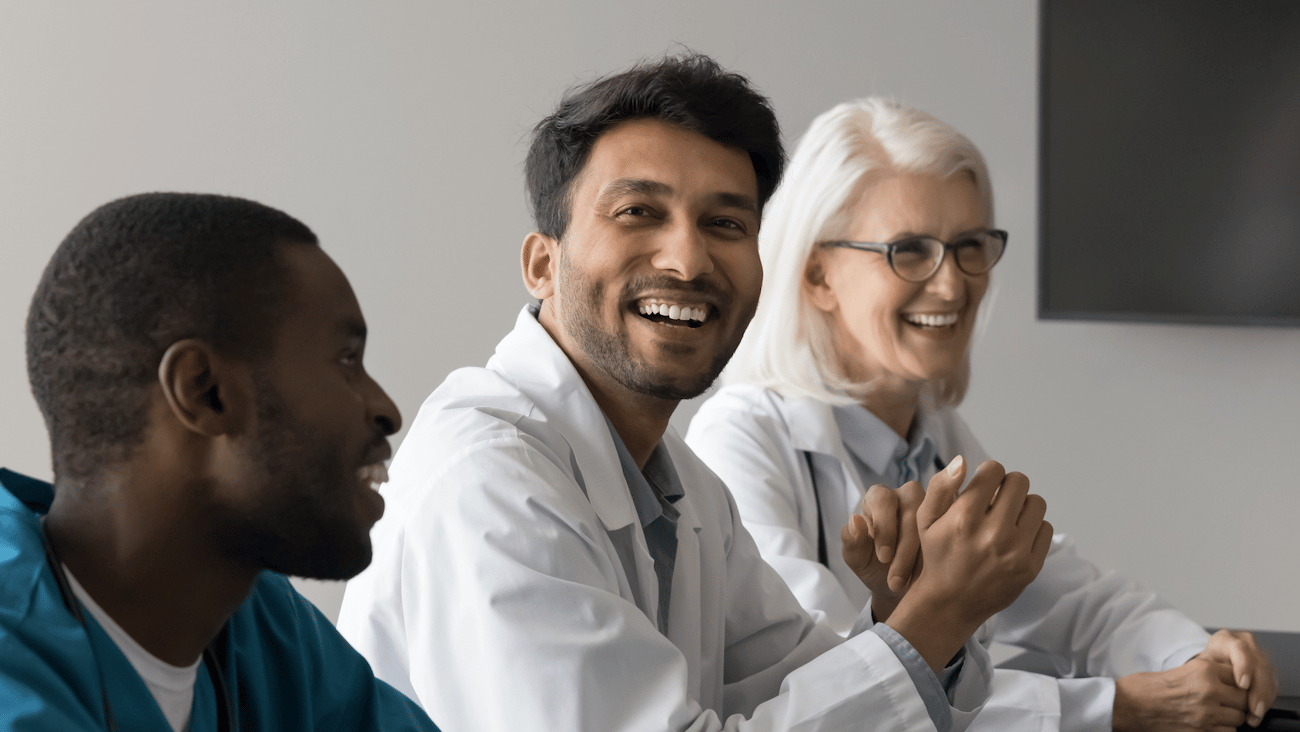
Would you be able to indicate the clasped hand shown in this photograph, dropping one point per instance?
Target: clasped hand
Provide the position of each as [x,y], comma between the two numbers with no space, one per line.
[977,551]
[935,556]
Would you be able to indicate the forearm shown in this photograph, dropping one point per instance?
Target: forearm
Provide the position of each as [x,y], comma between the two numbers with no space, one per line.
[1096,624]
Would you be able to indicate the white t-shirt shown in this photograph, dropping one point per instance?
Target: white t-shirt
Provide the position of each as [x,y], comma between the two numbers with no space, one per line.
[172,686]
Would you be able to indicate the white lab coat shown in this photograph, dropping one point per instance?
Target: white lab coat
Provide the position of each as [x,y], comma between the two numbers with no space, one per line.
[498,600]
[1092,624]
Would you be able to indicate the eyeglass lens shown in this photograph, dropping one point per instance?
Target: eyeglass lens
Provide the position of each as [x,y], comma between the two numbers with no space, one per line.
[916,258]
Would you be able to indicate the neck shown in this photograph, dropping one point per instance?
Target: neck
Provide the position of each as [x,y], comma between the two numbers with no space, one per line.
[639,419]
[893,402]
[640,422]
[144,561]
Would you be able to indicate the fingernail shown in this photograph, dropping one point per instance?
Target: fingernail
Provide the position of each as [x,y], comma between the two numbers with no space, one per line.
[1254,721]
[1243,682]
[955,466]
[1260,709]
[885,553]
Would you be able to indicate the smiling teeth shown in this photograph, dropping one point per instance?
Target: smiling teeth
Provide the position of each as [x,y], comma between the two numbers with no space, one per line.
[676,312]
[373,475]
[933,321]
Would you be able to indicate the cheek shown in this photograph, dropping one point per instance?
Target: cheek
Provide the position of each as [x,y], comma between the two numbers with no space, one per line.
[743,269]
[977,289]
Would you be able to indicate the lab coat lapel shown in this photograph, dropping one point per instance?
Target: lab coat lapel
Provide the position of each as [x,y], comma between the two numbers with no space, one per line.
[813,429]
[530,357]
[687,599]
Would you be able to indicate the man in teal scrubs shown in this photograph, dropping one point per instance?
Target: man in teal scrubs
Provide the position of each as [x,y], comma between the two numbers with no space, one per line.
[198,362]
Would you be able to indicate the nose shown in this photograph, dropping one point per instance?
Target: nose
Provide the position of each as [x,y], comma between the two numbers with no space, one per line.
[382,410]
[949,282]
[684,250]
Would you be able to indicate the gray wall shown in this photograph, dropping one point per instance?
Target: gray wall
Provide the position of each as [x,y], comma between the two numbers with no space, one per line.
[396,130]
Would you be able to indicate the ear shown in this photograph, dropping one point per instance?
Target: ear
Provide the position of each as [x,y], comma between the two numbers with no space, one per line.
[819,290]
[206,393]
[541,261]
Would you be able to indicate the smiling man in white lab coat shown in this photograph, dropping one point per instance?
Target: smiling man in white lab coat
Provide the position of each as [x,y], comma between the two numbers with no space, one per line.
[555,558]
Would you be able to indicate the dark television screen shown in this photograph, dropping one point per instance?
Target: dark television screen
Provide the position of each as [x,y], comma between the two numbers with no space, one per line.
[1169,176]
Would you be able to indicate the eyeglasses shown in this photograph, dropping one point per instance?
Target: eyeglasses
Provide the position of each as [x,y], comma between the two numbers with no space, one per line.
[917,258]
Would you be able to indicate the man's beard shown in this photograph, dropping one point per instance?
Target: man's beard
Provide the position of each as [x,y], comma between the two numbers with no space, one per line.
[611,353]
[306,524]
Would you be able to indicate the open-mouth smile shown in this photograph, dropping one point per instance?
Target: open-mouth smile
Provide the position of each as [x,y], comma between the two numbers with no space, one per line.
[675,313]
[931,320]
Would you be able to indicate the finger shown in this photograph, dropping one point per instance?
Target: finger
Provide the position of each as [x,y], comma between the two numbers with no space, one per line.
[1239,656]
[1259,675]
[1042,543]
[942,493]
[1225,716]
[1032,512]
[979,492]
[880,507]
[1010,499]
[1250,667]
[1225,693]
[910,497]
[857,548]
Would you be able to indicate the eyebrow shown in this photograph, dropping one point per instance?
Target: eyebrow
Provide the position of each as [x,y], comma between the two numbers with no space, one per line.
[639,186]
[630,186]
[355,329]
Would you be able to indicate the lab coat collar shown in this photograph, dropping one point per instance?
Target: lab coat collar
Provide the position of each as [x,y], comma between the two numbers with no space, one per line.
[813,427]
[874,442]
[530,358]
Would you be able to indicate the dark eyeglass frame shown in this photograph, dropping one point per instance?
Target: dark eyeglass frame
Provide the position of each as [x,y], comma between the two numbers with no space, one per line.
[891,247]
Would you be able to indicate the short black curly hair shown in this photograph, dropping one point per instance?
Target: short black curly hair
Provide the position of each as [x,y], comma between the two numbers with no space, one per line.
[689,90]
[132,278]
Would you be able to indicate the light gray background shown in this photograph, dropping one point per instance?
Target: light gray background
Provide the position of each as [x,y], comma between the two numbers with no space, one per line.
[397,130]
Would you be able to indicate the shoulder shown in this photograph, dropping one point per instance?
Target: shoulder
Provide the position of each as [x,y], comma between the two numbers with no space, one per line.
[739,409]
[474,413]
[23,569]
[481,447]
[46,663]
[742,400]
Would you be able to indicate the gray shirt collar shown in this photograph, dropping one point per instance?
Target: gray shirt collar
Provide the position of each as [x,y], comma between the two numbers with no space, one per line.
[653,489]
[880,449]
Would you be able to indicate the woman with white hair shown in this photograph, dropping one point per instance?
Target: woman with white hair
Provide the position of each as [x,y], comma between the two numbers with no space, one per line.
[840,403]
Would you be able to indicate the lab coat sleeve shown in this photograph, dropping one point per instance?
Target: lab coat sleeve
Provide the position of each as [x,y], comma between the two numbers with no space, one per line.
[515,618]
[749,446]
[1095,624]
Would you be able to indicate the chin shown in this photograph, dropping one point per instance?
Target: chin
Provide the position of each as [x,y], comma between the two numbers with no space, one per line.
[337,552]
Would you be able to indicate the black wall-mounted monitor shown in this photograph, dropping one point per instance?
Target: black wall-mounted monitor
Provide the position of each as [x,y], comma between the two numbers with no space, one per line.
[1169,167]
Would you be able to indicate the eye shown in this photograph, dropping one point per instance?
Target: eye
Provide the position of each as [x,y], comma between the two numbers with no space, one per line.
[351,358]
[729,227]
[634,211]
[910,246]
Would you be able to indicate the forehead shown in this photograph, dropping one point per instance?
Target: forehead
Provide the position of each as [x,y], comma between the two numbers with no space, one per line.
[318,300]
[915,203]
[654,150]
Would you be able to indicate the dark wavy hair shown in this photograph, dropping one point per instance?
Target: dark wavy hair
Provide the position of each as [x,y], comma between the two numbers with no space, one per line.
[132,278]
[690,90]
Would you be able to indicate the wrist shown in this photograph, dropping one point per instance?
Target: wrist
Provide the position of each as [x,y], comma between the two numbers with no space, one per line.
[933,629]
[882,608]
[1124,712]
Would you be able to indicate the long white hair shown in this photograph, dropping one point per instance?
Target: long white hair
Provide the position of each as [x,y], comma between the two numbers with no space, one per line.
[788,347]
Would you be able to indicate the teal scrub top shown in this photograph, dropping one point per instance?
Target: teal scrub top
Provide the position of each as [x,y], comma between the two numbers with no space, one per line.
[285,665]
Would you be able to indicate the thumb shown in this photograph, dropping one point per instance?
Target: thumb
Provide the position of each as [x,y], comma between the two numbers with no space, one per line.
[857,546]
[942,492]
